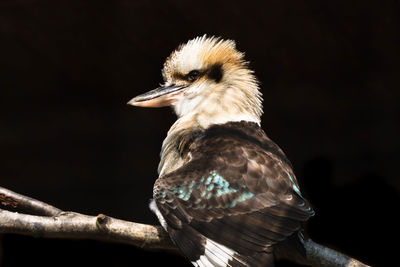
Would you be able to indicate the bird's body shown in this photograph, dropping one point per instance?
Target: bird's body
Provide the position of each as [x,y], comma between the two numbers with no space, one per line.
[226,194]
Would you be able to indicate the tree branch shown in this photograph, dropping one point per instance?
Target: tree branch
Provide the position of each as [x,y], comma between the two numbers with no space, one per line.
[71,225]
[18,201]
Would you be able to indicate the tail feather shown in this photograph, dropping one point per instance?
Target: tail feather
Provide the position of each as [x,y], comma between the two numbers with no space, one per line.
[204,252]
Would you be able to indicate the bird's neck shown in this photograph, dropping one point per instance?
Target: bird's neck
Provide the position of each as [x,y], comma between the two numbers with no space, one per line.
[220,104]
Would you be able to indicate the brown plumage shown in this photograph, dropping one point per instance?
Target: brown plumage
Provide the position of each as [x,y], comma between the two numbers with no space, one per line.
[261,206]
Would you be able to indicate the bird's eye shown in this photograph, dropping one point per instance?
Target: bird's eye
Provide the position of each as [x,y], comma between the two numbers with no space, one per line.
[193,75]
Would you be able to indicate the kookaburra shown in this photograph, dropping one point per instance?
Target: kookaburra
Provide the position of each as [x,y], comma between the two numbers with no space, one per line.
[226,194]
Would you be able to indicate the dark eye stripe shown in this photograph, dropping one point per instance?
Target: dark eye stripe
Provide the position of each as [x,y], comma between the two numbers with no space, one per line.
[193,75]
[215,72]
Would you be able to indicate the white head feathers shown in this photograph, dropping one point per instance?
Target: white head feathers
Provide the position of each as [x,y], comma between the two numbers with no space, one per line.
[225,89]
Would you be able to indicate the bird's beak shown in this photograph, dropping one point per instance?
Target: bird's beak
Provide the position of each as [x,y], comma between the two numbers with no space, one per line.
[160,97]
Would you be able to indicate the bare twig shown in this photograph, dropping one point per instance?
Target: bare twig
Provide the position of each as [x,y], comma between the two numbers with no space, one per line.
[324,256]
[71,225]
[15,200]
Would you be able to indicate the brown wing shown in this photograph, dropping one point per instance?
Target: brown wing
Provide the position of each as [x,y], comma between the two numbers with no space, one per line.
[238,191]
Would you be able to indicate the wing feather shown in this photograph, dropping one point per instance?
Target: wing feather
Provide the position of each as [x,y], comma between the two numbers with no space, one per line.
[238,190]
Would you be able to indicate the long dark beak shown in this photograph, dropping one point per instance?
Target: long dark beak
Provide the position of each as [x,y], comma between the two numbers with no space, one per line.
[160,97]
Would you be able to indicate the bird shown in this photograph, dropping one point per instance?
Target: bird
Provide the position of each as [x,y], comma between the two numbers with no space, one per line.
[226,193]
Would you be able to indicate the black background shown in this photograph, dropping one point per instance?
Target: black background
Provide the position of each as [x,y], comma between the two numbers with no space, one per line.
[329,72]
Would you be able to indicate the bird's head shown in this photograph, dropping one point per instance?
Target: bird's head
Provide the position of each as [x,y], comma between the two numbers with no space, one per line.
[207,81]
